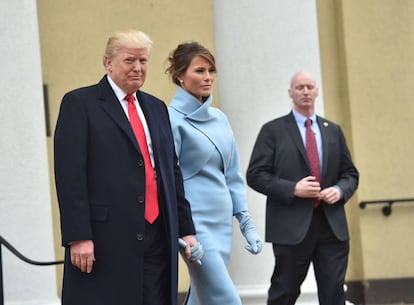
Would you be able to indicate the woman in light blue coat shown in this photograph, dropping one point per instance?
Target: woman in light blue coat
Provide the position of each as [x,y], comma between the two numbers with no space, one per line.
[209,160]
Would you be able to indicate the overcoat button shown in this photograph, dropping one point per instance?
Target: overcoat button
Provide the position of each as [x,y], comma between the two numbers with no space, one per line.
[140,236]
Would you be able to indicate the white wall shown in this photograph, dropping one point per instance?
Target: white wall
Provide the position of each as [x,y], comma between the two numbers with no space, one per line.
[25,207]
[259,46]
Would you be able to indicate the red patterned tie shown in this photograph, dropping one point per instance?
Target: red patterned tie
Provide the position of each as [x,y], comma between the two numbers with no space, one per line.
[151,194]
[312,153]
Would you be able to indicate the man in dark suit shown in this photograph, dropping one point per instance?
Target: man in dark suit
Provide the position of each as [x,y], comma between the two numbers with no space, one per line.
[305,216]
[113,254]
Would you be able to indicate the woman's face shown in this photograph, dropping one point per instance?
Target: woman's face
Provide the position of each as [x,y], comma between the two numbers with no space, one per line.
[198,78]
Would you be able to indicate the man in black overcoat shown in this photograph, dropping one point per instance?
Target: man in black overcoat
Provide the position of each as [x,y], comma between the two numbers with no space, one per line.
[113,254]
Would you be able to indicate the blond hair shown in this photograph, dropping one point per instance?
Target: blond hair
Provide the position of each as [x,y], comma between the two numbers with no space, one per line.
[126,39]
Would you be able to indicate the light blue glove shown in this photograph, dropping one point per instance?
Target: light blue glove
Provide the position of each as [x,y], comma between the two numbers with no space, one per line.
[255,243]
[197,251]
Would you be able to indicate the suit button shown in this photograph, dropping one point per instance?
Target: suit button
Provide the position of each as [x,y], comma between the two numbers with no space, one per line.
[141,199]
[140,163]
[140,236]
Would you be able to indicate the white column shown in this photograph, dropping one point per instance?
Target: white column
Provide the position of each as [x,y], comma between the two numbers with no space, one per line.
[259,46]
[25,205]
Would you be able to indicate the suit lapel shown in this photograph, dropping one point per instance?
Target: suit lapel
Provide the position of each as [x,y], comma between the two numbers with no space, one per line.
[151,119]
[323,127]
[110,103]
[293,129]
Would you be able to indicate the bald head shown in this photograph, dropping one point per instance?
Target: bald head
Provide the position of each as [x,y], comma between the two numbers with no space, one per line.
[302,75]
[303,92]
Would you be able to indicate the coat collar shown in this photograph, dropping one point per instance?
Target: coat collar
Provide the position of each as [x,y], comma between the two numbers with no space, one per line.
[113,108]
[297,139]
[192,108]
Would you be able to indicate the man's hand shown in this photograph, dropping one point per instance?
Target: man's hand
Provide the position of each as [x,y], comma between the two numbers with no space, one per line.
[307,187]
[192,245]
[82,255]
[330,195]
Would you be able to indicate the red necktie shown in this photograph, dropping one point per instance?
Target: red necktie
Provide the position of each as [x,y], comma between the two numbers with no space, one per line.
[151,194]
[312,153]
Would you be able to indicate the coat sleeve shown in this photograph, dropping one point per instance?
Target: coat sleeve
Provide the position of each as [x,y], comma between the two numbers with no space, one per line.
[185,224]
[70,160]
[235,182]
[348,178]
[261,174]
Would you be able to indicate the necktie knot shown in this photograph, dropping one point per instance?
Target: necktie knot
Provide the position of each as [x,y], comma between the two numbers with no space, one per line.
[308,122]
[130,98]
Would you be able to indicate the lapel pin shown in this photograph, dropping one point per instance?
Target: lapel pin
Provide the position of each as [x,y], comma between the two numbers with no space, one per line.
[325,124]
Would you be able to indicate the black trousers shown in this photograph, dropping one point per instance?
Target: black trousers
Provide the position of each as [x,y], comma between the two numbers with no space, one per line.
[329,257]
[156,265]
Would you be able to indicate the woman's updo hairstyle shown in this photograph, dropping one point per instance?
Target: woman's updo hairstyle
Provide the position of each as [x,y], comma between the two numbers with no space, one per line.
[181,57]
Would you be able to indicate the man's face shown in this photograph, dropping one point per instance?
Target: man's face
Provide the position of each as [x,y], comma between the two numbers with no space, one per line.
[128,68]
[303,92]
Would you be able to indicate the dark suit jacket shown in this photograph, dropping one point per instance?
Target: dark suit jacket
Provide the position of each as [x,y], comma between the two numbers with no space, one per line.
[100,180]
[279,161]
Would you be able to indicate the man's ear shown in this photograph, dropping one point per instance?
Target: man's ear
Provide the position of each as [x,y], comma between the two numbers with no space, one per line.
[107,63]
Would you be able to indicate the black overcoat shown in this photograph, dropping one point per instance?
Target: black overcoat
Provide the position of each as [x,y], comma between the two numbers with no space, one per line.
[100,180]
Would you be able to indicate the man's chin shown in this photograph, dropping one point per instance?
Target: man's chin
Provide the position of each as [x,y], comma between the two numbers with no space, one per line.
[135,85]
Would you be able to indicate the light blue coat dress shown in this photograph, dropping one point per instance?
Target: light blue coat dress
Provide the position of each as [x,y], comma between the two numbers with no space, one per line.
[214,186]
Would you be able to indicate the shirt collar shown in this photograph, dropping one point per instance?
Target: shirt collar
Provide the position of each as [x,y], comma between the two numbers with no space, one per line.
[300,118]
[120,94]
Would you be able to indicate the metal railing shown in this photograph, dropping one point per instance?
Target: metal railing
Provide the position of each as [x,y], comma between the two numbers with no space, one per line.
[386,210]
[5,243]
